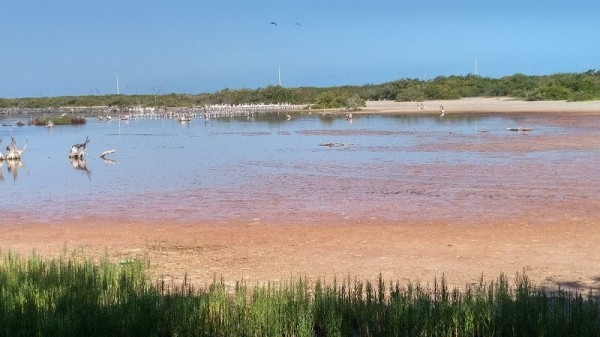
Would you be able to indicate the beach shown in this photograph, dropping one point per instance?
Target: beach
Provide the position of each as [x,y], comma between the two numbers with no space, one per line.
[502,105]
[511,218]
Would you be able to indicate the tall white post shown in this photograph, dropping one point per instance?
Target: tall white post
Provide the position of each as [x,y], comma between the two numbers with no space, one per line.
[118,92]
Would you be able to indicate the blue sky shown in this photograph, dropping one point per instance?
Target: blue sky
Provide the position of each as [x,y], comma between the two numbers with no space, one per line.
[78,47]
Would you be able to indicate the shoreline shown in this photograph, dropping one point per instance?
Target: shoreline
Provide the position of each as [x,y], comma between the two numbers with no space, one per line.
[482,105]
[551,255]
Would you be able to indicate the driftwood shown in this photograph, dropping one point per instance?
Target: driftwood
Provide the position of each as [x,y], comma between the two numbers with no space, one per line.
[333,144]
[106,153]
[78,150]
[520,129]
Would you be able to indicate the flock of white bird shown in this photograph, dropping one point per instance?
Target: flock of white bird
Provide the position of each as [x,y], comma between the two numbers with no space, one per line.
[184,115]
[189,113]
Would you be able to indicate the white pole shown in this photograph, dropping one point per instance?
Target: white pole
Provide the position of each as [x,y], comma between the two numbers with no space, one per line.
[118,93]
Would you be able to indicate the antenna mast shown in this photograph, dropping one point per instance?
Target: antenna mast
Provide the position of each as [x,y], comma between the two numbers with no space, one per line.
[279,76]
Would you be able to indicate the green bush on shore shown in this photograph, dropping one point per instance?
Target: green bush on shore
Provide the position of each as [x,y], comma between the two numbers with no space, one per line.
[61,120]
[69,297]
[583,86]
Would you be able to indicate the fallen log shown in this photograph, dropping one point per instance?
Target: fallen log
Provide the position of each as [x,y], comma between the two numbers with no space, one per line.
[106,153]
[78,150]
[12,151]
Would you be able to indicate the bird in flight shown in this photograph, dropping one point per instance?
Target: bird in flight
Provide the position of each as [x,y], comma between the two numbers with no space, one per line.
[274,23]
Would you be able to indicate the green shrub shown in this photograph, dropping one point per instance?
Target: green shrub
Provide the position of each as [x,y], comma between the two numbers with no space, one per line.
[42,121]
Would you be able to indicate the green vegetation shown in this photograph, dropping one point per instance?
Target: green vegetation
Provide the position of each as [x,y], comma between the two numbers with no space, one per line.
[333,99]
[60,120]
[71,297]
[569,86]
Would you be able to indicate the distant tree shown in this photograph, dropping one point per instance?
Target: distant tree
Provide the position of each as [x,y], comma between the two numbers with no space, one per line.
[326,99]
[411,94]
[519,85]
[550,92]
[276,94]
[569,86]
[354,102]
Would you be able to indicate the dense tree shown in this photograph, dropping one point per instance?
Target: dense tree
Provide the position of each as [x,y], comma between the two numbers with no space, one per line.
[570,86]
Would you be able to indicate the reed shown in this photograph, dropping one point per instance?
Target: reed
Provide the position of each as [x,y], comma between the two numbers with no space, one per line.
[67,296]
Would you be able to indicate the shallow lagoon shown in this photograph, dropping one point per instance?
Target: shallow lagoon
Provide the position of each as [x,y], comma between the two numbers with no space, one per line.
[234,168]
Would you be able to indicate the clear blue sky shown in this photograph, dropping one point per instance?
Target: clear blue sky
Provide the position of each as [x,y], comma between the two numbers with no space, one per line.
[77,47]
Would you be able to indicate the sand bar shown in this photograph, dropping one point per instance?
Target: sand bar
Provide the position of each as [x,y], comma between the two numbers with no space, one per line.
[483,105]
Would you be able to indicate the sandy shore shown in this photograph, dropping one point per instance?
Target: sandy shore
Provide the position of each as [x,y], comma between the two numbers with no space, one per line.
[463,221]
[564,254]
[483,105]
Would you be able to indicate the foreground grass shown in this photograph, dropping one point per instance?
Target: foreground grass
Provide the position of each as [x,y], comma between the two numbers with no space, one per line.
[69,297]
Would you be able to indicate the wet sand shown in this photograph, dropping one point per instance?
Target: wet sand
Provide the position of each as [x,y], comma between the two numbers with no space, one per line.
[408,223]
[484,105]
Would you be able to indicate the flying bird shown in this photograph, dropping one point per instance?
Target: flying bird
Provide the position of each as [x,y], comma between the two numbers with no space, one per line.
[274,23]
[297,24]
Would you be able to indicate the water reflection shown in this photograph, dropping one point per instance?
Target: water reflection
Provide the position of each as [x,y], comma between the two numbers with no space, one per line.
[233,160]
[108,160]
[80,164]
[12,166]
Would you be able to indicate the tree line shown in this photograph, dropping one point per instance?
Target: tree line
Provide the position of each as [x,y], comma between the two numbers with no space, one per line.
[565,86]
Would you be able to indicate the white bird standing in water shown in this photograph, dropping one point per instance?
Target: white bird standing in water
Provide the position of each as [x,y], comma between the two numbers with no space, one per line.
[441,111]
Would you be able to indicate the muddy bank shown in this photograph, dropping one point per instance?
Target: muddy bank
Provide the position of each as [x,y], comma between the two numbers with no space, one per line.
[483,105]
